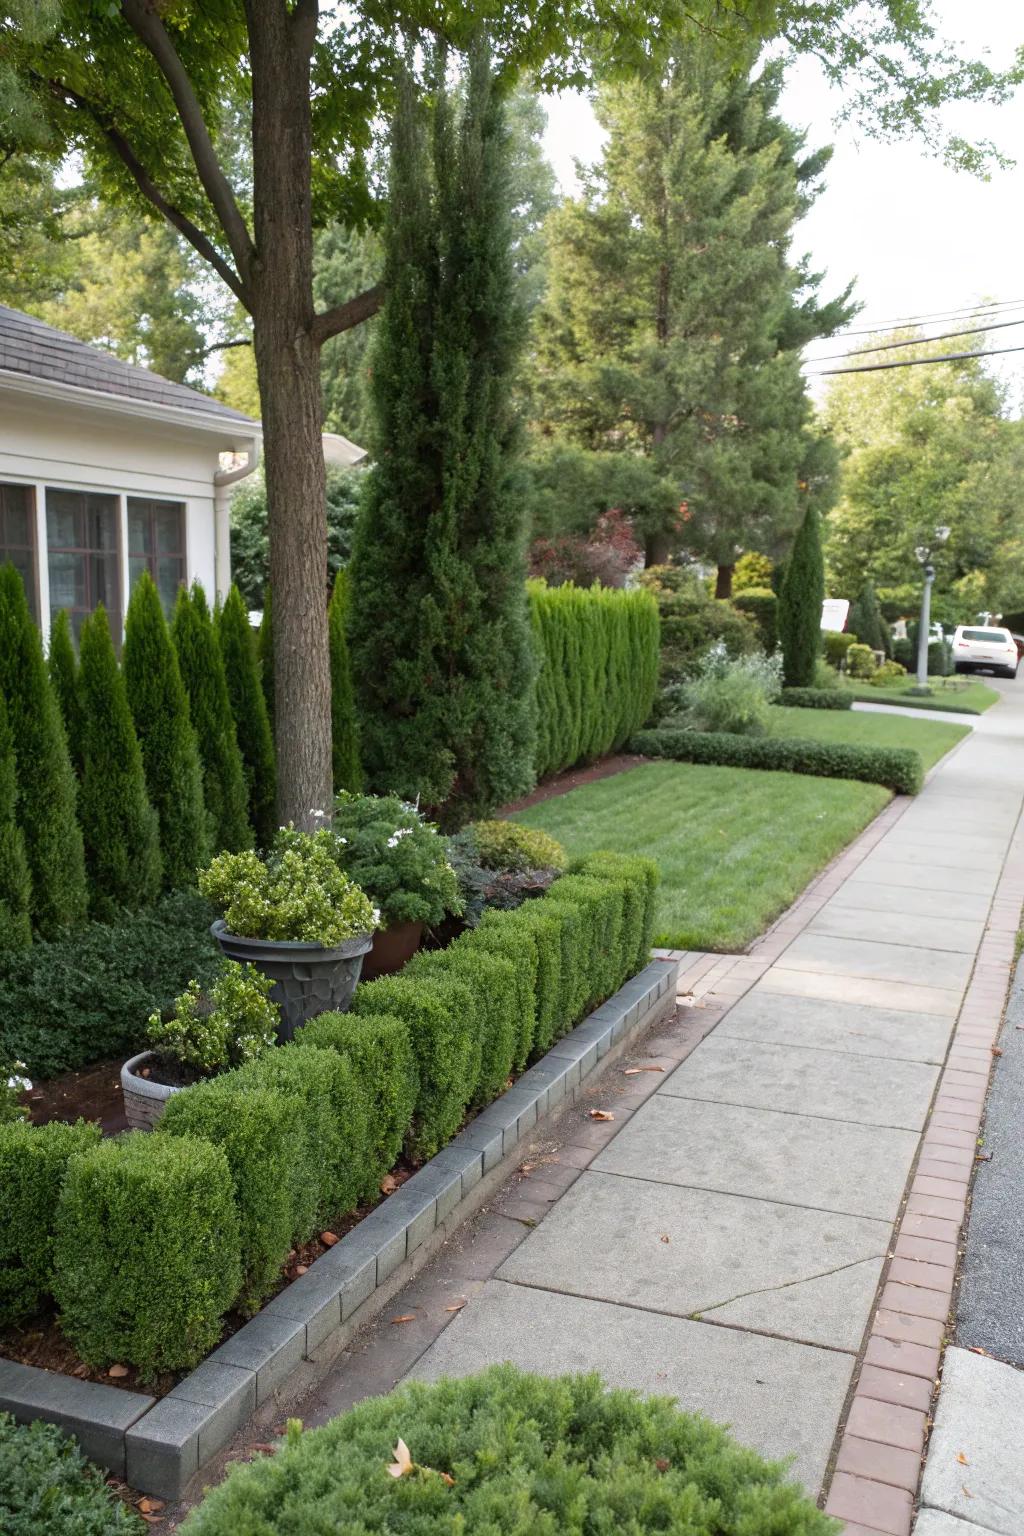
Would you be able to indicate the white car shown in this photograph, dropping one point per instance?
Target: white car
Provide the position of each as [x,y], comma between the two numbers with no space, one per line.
[974,647]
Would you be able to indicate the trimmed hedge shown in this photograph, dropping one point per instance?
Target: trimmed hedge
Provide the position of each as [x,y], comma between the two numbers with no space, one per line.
[503,1013]
[146,1251]
[503,1451]
[33,1162]
[817,698]
[897,768]
[598,656]
[517,945]
[46,1485]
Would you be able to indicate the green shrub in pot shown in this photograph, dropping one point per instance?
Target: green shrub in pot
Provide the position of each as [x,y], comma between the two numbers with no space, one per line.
[398,857]
[298,894]
[231,1024]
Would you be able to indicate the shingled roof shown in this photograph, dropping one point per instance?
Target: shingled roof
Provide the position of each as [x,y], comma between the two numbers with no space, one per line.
[39,351]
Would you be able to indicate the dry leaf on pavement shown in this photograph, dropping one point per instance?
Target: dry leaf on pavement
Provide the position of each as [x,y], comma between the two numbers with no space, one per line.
[600,1114]
[406,1317]
[632,1071]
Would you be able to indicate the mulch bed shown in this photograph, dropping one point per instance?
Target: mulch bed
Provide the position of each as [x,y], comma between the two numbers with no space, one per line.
[94,1093]
[561,783]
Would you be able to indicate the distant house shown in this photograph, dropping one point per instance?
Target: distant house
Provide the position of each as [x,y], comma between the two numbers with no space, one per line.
[107,470]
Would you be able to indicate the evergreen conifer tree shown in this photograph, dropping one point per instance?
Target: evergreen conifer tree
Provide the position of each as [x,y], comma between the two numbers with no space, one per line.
[248,706]
[46,806]
[120,828]
[15,882]
[170,754]
[63,668]
[265,652]
[440,639]
[865,619]
[202,672]
[344,731]
[803,591]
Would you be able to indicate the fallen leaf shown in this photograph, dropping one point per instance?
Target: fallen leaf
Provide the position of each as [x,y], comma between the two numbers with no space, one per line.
[280,1429]
[983,1157]
[302,1269]
[996,1050]
[966,1492]
[148,1506]
[388,1184]
[329,1239]
[600,1114]
[632,1071]
[976,1349]
[406,1317]
[962,1459]
[264,1448]
[458,1306]
[664,1238]
[402,1465]
[662,1465]
[80,1370]
[117,1371]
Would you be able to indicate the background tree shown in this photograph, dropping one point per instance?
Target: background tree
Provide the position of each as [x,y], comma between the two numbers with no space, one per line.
[63,668]
[143,93]
[15,881]
[348,773]
[237,645]
[799,611]
[265,652]
[46,809]
[202,672]
[170,753]
[440,634]
[865,619]
[120,828]
[250,544]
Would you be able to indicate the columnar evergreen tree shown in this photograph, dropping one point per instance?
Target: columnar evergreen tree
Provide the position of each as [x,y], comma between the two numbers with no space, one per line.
[120,828]
[249,708]
[803,591]
[440,634]
[15,881]
[265,652]
[46,780]
[344,731]
[202,672]
[865,620]
[170,753]
[63,668]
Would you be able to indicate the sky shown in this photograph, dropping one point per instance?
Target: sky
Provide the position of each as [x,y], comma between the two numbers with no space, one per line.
[917,236]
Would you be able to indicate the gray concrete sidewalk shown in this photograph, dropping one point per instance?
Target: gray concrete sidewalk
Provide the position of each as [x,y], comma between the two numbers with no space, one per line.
[727,1243]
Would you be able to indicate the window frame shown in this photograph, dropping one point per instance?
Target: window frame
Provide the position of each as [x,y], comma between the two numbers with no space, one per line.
[35,597]
[116,619]
[152,503]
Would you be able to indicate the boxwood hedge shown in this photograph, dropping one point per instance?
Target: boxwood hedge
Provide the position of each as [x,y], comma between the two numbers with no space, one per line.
[897,768]
[817,698]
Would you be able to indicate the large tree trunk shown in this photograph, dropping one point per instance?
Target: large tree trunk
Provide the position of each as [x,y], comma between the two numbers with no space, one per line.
[723,581]
[288,368]
[657,548]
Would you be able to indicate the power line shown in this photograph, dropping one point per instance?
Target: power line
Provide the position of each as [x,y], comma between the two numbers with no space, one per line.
[919,341]
[967,310]
[916,362]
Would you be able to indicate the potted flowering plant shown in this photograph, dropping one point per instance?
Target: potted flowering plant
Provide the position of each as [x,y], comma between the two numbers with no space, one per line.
[401,860]
[13,1083]
[297,917]
[204,1035]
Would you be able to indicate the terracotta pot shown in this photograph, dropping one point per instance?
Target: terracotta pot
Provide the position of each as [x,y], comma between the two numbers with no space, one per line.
[308,979]
[144,1100]
[392,948]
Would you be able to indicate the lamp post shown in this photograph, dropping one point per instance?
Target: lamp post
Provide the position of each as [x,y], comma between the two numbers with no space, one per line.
[923,553]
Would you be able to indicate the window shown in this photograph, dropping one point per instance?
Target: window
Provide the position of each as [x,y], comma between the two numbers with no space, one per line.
[156,543]
[17,537]
[82,555]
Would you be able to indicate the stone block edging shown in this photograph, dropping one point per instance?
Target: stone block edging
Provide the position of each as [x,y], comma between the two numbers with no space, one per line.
[158,1446]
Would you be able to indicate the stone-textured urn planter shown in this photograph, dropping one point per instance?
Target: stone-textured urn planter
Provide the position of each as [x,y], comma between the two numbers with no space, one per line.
[144,1099]
[308,979]
[392,948]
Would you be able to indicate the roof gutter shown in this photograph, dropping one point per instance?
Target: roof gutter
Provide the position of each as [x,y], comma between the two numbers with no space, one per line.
[222,482]
[235,432]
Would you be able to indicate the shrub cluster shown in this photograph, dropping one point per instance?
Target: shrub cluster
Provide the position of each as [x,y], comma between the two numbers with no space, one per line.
[598,670]
[860,661]
[398,857]
[897,768]
[506,845]
[46,1484]
[728,693]
[33,1162]
[835,644]
[692,620]
[516,1453]
[817,698]
[761,604]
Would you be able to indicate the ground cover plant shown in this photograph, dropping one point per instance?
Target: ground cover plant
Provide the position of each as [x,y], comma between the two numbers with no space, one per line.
[46,1484]
[931,739]
[895,768]
[734,846]
[513,1452]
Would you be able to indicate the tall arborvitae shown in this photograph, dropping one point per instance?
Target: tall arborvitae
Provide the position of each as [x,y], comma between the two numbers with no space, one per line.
[249,707]
[803,591]
[63,668]
[265,652]
[440,637]
[15,882]
[120,827]
[202,672]
[170,755]
[865,619]
[46,781]
[344,732]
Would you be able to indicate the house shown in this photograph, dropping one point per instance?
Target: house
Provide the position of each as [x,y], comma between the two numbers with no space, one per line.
[107,470]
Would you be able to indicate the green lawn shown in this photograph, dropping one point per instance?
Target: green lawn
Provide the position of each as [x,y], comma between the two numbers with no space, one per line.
[966,698]
[931,738]
[736,846]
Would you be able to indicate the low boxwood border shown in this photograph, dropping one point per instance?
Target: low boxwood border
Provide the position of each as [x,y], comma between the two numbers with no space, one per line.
[896,768]
[817,698]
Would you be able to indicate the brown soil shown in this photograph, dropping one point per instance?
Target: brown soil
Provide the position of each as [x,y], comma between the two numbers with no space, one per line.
[561,783]
[94,1093]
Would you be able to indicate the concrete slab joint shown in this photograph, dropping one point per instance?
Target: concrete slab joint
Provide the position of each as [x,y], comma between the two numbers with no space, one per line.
[159,1446]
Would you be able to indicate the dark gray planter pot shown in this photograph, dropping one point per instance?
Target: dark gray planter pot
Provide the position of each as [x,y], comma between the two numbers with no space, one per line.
[144,1100]
[308,979]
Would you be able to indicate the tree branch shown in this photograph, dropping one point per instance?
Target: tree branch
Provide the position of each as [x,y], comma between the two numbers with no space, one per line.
[142,17]
[343,317]
[152,193]
[225,346]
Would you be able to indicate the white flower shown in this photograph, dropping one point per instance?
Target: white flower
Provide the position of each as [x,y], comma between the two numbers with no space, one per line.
[21,1083]
[318,815]
[376,917]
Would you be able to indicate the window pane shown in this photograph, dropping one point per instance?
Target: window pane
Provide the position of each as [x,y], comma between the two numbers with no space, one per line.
[82,533]
[170,575]
[139,531]
[67,581]
[104,584]
[17,535]
[62,531]
[136,565]
[169,530]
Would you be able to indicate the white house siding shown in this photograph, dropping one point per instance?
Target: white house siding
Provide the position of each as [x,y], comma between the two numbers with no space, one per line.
[46,443]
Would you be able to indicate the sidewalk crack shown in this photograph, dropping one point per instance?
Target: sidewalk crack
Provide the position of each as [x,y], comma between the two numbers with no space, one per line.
[763,1290]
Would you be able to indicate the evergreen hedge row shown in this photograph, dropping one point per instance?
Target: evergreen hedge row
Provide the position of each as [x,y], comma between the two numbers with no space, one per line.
[817,698]
[598,653]
[897,768]
[146,1241]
